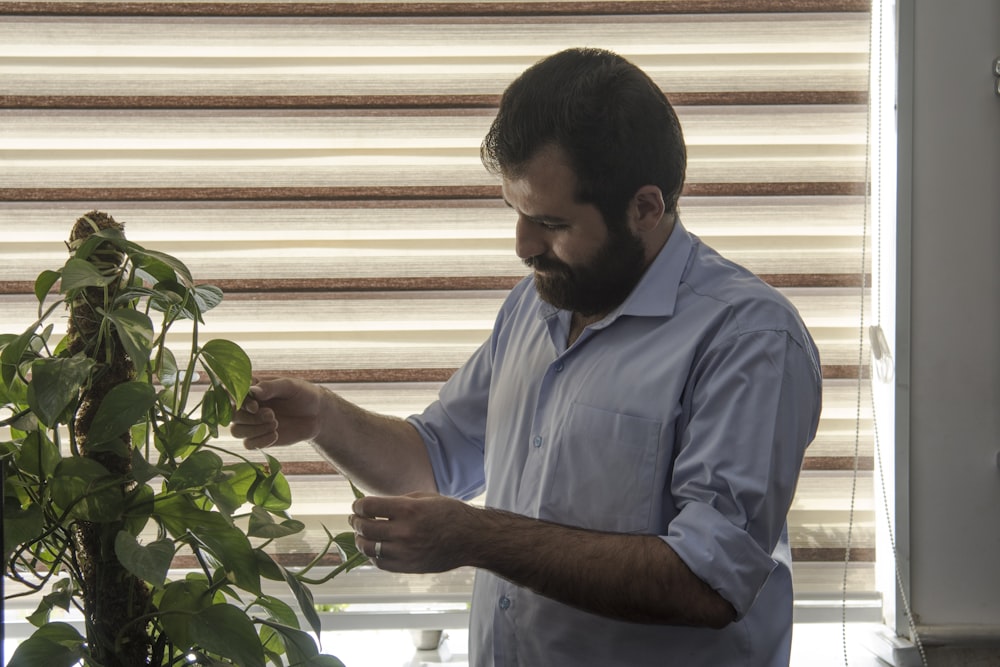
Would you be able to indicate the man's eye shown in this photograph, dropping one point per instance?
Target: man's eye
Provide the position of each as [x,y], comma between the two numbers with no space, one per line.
[551,225]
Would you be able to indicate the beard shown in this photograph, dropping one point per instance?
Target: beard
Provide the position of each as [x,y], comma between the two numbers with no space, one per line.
[597,286]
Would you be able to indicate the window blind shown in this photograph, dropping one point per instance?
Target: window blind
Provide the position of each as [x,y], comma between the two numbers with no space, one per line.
[319,162]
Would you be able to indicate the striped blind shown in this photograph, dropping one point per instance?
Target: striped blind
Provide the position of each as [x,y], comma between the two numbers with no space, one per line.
[319,162]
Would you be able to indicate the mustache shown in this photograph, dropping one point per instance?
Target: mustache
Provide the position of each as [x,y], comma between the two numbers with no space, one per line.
[540,263]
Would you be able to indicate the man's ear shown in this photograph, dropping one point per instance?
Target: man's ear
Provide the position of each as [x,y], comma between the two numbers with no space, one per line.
[649,206]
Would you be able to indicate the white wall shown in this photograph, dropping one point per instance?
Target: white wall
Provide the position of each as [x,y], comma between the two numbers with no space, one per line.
[948,378]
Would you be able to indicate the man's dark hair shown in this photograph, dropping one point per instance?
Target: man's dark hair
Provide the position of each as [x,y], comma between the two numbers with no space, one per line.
[616,127]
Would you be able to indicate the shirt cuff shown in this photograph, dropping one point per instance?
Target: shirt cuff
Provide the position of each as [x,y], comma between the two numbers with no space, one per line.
[457,473]
[722,555]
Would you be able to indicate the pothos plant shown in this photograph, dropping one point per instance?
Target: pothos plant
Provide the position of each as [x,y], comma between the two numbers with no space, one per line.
[110,474]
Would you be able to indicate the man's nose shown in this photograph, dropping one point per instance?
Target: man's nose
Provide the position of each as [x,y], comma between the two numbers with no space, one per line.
[528,240]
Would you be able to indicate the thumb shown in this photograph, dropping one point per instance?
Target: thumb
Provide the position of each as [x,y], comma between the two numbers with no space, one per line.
[266,388]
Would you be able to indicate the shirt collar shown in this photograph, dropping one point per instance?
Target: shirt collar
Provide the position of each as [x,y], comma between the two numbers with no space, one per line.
[656,293]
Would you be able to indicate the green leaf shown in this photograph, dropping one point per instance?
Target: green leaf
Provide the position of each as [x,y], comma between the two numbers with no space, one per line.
[169,296]
[78,274]
[229,366]
[232,548]
[100,237]
[142,471]
[230,493]
[305,599]
[207,297]
[273,492]
[189,302]
[216,409]
[20,526]
[150,563]
[6,338]
[13,354]
[38,455]
[227,544]
[7,396]
[124,405]
[180,601]
[54,645]
[179,515]
[299,645]
[159,264]
[267,567]
[55,383]
[273,464]
[262,525]
[110,236]
[166,368]
[135,330]
[274,646]
[44,282]
[138,507]
[155,273]
[88,488]
[278,610]
[197,471]
[347,544]
[61,596]
[176,438]
[225,630]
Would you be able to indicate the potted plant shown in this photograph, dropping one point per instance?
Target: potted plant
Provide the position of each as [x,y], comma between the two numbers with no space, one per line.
[110,473]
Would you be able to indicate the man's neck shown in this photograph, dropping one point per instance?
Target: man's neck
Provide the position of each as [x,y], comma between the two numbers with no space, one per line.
[578,323]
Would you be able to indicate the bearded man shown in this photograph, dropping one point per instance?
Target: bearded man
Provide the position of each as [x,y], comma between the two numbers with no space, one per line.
[636,420]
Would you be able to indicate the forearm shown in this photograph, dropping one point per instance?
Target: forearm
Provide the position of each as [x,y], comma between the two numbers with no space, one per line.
[381,454]
[636,578]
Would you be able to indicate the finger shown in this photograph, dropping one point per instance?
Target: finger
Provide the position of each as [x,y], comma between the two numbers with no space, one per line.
[255,435]
[248,412]
[363,545]
[376,507]
[250,406]
[266,388]
[250,403]
[374,530]
[261,441]
[370,547]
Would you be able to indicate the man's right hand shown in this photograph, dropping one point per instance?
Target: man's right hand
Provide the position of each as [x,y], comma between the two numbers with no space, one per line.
[381,454]
[279,411]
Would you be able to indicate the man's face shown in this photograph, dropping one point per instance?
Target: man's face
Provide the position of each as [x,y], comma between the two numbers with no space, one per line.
[580,265]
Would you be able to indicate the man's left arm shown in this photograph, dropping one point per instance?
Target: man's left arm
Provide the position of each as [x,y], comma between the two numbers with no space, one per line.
[635,578]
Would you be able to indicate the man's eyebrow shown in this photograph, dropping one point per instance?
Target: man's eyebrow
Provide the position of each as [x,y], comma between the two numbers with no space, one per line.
[538,218]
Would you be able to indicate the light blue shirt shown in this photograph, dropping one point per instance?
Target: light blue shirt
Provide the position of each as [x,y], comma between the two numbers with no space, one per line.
[685,413]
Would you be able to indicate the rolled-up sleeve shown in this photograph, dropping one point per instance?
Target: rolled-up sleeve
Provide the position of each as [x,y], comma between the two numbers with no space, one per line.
[453,428]
[752,408]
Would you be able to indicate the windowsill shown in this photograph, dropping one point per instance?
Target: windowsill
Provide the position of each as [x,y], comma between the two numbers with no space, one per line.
[813,645]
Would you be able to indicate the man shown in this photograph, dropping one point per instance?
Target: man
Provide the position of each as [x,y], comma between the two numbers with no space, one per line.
[637,419]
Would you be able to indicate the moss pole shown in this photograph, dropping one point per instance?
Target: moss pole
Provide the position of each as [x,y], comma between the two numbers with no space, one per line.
[113,598]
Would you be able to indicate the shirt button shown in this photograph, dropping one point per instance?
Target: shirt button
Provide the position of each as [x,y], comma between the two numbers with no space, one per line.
[504,602]
[559,367]
[537,442]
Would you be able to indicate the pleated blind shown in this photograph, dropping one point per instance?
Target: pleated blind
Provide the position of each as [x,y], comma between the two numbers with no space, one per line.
[319,162]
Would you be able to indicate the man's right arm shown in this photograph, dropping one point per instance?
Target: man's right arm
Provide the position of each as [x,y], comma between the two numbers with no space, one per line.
[381,454]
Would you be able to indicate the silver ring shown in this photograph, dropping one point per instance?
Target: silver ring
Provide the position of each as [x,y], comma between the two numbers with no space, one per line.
[378,550]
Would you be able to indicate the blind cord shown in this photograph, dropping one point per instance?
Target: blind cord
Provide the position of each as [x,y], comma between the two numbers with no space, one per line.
[861,334]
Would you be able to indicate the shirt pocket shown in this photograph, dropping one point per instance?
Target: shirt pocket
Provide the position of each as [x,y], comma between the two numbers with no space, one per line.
[606,472]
